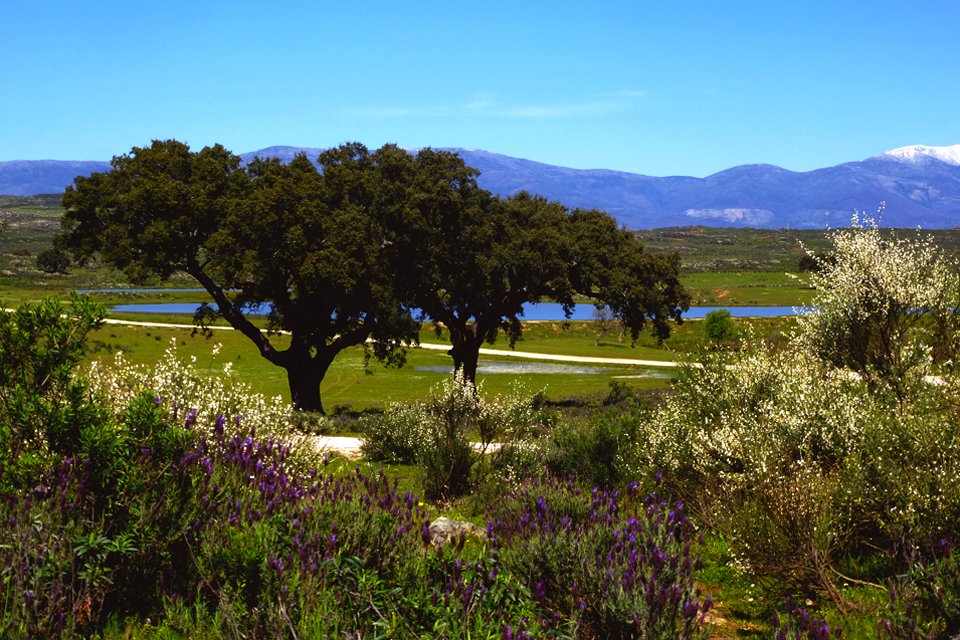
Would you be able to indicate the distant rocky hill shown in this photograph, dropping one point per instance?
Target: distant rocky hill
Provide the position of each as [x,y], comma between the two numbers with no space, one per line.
[32,177]
[921,188]
[920,184]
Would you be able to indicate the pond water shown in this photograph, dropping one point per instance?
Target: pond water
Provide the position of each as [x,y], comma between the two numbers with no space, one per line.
[537,311]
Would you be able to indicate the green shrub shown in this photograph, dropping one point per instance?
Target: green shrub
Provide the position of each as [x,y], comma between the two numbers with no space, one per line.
[92,533]
[396,436]
[718,327]
[446,461]
[784,529]
[899,489]
[622,395]
[40,344]
[449,434]
[53,261]
[597,451]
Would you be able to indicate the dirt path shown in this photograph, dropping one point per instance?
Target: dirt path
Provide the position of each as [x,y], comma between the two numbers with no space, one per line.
[349,447]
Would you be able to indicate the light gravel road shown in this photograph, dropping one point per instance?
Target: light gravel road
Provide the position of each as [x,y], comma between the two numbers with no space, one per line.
[504,353]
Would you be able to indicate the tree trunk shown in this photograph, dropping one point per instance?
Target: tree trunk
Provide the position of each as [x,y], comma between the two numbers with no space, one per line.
[304,376]
[465,352]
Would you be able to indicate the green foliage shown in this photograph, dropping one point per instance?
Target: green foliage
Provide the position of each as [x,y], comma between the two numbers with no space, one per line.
[447,459]
[622,394]
[41,343]
[808,262]
[898,486]
[637,287]
[483,258]
[718,327]
[785,529]
[596,451]
[79,499]
[40,405]
[53,261]
[396,436]
[925,602]
[436,434]
[94,524]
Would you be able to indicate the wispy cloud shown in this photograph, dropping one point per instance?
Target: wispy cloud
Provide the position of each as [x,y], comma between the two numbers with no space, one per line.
[486,105]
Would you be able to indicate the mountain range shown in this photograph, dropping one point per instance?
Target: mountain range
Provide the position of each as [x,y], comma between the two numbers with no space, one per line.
[920,185]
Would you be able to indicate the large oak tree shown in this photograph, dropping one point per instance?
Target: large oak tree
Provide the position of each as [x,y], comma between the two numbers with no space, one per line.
[315,244]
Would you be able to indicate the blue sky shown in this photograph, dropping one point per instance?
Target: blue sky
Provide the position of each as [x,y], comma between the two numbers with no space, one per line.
[661,88]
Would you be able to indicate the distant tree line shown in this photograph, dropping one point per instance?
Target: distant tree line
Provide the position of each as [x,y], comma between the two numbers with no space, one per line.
[359,246]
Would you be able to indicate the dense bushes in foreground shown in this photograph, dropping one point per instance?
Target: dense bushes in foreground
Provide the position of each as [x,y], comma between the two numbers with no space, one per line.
[144,515]
[228,538]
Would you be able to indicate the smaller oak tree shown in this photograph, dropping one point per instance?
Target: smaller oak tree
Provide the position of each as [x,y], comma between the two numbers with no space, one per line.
[477,259]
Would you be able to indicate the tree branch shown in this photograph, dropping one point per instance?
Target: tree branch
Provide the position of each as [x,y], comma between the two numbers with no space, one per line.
[236,319]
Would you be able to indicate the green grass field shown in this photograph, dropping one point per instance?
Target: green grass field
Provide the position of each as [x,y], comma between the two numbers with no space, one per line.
[748,288]
[351,383]
[726,249]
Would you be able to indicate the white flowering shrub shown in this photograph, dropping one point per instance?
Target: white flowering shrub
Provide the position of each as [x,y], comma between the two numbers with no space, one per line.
[403,429]
[395,436]
[735,416]
[899,489]
[884,304]
[515,462]
[786,527]
[841,442]
[187,390]
[437,433]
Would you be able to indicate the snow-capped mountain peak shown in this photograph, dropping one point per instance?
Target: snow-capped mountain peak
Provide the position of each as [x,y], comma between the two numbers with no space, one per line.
[920,152]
